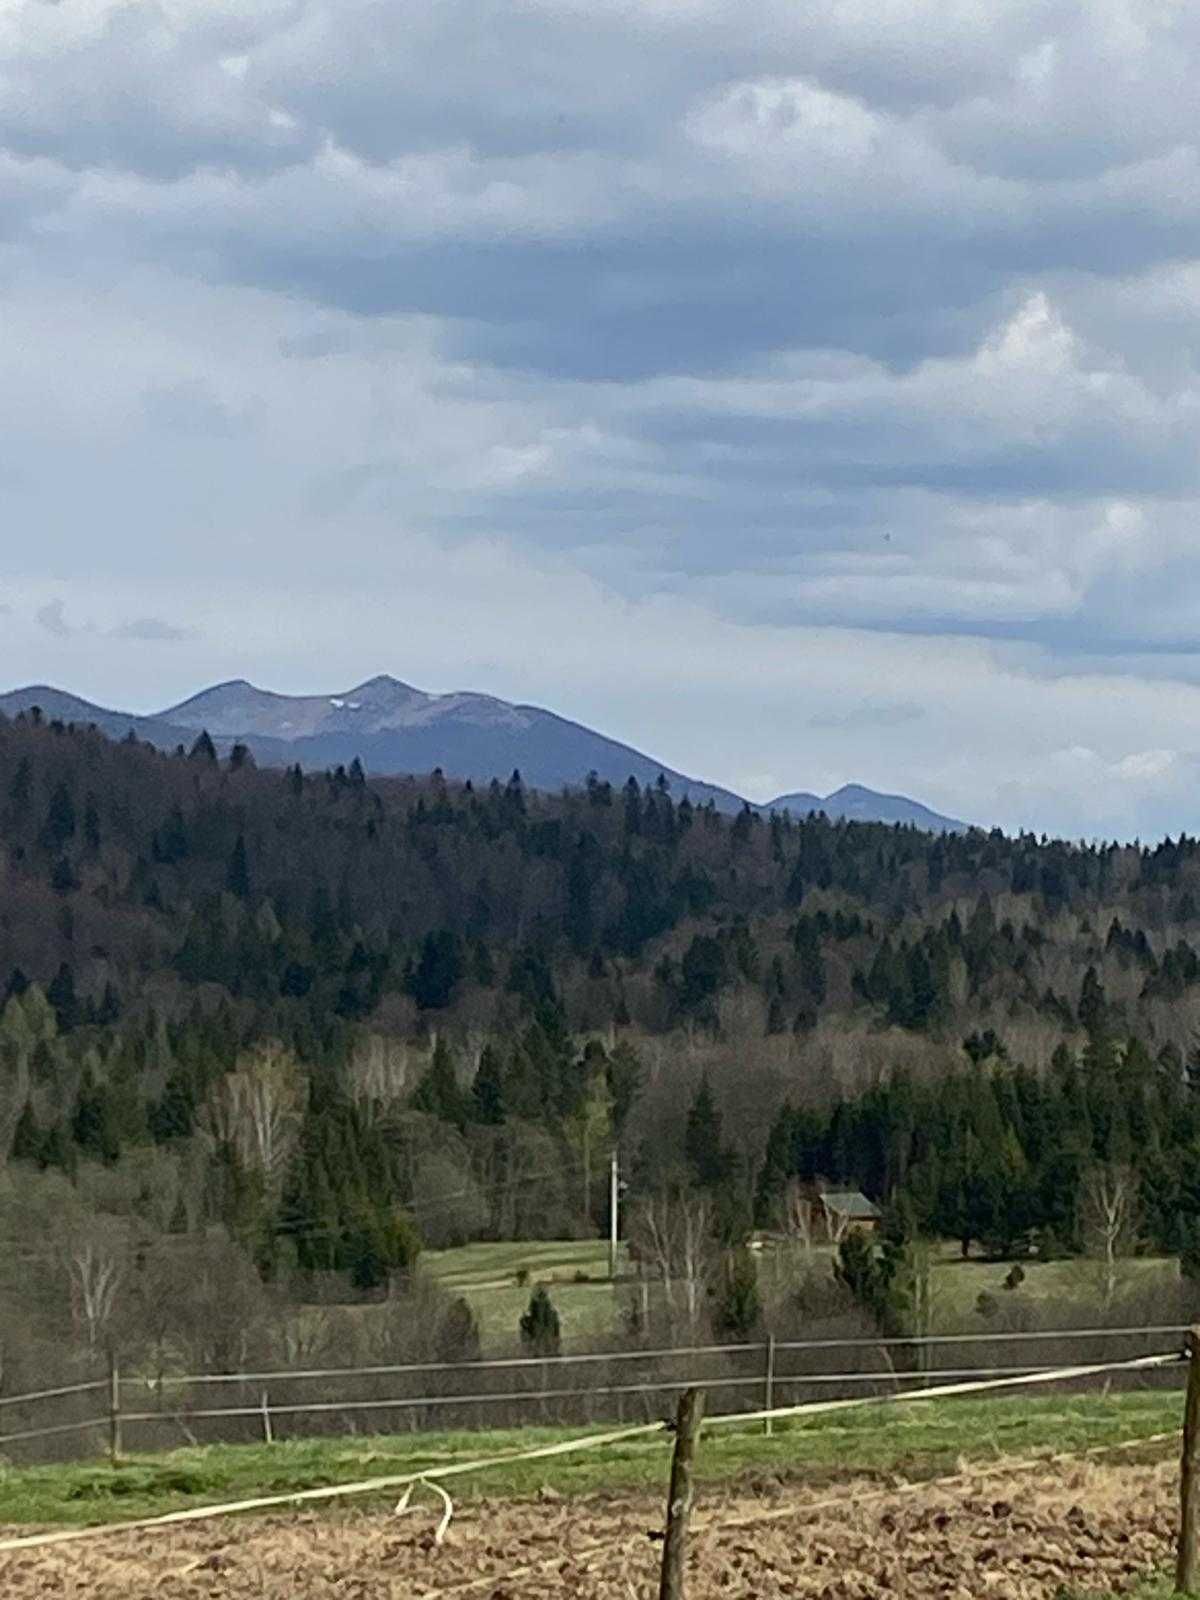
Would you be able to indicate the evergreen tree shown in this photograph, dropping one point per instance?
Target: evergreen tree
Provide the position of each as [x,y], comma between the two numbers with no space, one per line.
[27,1142]
[91,824]
[64,879]
[92,1126]
[706,1156]
[438,1093]
[21,787]
[541,1334]
[487,1090]
[1093,1003]
[438,971]
[59,827]
[61,995]
[739,1307]
[237,875]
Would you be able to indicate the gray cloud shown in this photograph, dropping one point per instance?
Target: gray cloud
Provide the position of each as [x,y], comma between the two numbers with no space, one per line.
[189,407]
[779,319]
[152,630]
[52,617]
[880,714]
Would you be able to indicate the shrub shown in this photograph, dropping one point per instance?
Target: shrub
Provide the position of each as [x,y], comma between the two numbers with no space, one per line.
[458,1336]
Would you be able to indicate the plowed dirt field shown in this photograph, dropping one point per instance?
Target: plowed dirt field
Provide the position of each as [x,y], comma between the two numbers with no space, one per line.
[1011,1536]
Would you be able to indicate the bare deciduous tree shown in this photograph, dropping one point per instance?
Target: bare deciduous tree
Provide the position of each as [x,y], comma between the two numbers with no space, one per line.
[672,1233]
[1110,1220]
[798,1216]
[95,1257]
[256,1110]
[378,1073]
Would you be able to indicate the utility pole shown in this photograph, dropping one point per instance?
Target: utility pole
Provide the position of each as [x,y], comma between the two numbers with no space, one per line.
[614,1205]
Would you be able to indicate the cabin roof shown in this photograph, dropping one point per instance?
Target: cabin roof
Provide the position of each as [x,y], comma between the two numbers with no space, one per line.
[850,1203]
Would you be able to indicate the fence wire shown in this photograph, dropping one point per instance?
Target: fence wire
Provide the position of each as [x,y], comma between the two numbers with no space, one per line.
[160,1409]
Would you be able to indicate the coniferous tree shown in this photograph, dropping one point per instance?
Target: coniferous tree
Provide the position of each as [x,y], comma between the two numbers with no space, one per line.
[739,1308]
[27,1141]
[237,876]
[706,1156]
[61,995]
[59,827]
[438,1092]
[487,1089]
[541,1333]
[21,787]
[438,971]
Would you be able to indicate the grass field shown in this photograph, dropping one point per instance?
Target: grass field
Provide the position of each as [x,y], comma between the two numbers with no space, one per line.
[486,1274]
[958,1284]
[920,1440]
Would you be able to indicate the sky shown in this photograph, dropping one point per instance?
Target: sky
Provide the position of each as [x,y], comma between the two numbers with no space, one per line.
[803,393]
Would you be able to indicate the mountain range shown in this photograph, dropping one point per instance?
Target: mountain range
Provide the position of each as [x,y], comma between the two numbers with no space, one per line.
[396,729]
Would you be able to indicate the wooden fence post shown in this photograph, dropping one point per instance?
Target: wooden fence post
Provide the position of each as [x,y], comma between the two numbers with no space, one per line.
[769,1383]
[1187,1566]
[268,1433]
[114,1409]
[679,1503]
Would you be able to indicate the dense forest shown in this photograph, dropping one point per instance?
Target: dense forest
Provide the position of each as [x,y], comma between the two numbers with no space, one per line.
[336,1018]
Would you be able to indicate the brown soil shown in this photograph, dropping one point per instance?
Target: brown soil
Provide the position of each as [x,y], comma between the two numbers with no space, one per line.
[1006,1536]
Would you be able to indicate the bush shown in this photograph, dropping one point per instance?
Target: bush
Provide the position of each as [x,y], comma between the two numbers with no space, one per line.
[458,1336]
[522,1277]
[1049,1246]
[541,1333]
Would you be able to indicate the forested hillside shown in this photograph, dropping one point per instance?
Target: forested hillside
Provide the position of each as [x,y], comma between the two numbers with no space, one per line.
[335,1017]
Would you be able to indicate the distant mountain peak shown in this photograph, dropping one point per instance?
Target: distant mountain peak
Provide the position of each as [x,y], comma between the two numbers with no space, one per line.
[397,729]
[384,681]
[853,802]
[383,689]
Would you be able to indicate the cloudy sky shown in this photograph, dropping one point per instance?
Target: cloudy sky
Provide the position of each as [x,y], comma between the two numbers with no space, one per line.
[803,392]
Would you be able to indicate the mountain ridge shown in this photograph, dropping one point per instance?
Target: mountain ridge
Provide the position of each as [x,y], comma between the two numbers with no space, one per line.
[396,729]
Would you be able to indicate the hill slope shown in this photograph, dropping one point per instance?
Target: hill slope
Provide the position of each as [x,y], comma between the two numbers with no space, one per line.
[315,1012]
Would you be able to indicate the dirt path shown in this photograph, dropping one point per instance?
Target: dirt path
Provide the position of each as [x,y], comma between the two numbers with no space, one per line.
[1019,1536]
